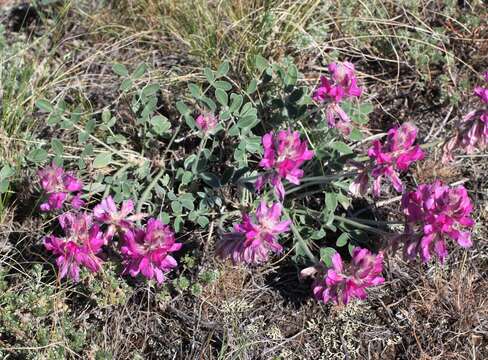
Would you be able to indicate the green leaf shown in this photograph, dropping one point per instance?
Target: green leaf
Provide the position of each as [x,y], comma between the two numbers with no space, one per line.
[195,90]
[326,255]
[189,160]
[331,201]
[247,121]
[261,63]
[234,131]
[341,147]
[90,126]
[187,177]
[160,124]
[223,69]
[106,116]
[126,85]
[355,135]
[187,203]
[252,87]
[366,108]
[292,77]
[203,221]
[236,102]
[44,105]
[210,179]
[176,207]
[253,144]
[102,160]
[182,108]
[164,216]
[150,89]
[224,115]
[319,234]
[117,138]
[139,71]
[6,172]
[57,146]
[223,85]
[209,74]
[342,239]
[120,69]
[37,155]
[221,97]
[4,185]
[53,119]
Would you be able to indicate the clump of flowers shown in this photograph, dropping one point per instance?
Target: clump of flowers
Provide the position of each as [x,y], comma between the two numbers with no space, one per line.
[435,213]
[341,284]
[473,129]
[251,242]
[147,251]
[284,154]
[206,123]
[60,186]
[82,242]
[341,85]
[394,156]
[117,220]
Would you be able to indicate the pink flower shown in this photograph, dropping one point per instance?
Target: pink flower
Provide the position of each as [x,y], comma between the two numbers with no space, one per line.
[284,153]
[82,241]
[433,213]
[59,187]
[206,122]
[472,132]
[392,157]
[340,285]
[117,220]
[342,85]
[148,251]
[252,242]
[360,185]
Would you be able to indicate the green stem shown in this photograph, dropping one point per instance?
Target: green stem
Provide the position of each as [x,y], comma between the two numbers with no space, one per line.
[360,225]
[300,239]
[158,176]
[328,177]
[199,153]
[148,190]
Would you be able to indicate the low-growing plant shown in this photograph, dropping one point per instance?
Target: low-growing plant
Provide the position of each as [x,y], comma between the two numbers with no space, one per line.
[288,159]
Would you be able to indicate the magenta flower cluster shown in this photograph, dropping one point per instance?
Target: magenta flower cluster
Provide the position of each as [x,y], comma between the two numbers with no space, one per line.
[144,250]
[60,186]
[147,251]
[435,213]
[81,244]
[253,241]
[341,85]
[284,154]
[389,159]
[340,284]
[473,128]
[206,123]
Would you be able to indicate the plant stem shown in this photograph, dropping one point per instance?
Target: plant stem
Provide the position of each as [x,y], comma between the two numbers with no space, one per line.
[328,177]
[200,149]
[317,180]
[300,239]
[360,225]
[158,176]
